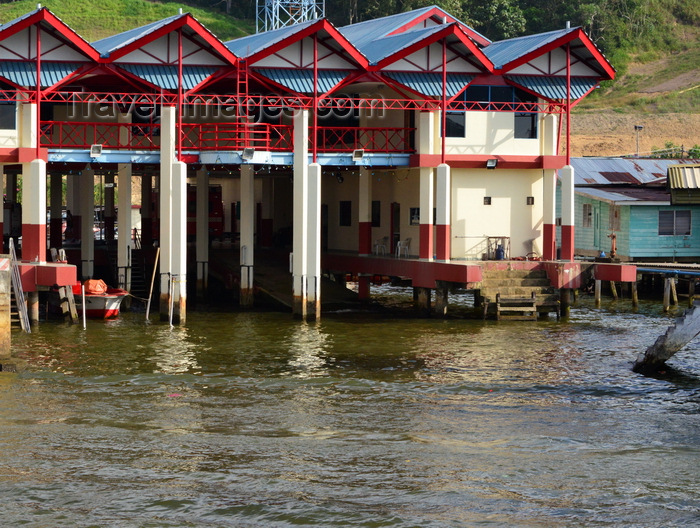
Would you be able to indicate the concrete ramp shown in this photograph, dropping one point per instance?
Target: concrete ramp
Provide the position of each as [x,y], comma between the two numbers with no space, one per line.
[685,329]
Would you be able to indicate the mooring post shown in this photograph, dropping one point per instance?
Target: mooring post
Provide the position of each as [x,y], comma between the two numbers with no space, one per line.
[691,293]
[674,294]
[613,290]
[667,294]
[598,288]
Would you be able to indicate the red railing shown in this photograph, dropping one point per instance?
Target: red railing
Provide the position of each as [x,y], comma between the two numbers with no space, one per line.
[222,137]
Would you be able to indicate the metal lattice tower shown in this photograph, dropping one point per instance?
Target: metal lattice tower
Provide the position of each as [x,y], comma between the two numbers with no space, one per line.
[274,14]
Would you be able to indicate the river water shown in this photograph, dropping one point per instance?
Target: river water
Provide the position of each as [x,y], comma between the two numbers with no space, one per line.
[255,419]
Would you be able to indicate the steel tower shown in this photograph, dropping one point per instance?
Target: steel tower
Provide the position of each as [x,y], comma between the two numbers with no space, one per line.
[274,14]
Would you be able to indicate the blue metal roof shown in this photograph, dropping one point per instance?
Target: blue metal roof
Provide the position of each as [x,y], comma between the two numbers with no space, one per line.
[554,88]
[24,73]
[302,81]
[246,46]
[108,45]
[505,51]
[430,84]
[384,47]
[165,76]
[11,23]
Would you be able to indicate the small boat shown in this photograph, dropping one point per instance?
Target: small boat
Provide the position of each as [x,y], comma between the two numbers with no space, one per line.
[101,301]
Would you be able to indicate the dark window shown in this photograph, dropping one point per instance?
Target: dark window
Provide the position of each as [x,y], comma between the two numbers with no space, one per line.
[587,215]
[525,126]
[345,214]
[487,200]
[8,116]
[674,223]
[376,213]
[455,124]
[414,216]
[530,200]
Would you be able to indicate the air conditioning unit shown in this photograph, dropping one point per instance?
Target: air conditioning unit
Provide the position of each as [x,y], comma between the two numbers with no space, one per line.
[95,151]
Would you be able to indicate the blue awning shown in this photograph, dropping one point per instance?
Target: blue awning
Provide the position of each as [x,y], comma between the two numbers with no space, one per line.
[165,75]
[302,81]
[554,88]
[430,84]
[24,73]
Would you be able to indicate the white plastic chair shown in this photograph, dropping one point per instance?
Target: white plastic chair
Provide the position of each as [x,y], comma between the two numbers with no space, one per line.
[380,245]
[403,246]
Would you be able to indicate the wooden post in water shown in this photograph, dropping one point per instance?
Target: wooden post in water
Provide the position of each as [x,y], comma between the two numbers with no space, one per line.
[667,294]
[598,288]
[613,290]
[565,300]
[635,295]
[691,293]
[674,294]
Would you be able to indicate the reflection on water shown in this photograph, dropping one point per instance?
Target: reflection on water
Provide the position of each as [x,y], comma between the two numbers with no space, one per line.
[254,419]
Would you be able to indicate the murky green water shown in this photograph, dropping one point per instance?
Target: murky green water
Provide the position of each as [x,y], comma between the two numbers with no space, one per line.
[254,419]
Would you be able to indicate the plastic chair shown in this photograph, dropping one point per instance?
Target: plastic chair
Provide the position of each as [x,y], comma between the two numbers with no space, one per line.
[380,245]
[403,247]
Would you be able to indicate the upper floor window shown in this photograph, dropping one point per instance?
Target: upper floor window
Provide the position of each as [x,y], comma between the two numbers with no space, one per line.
[524,123]
[8,115]
[674,222]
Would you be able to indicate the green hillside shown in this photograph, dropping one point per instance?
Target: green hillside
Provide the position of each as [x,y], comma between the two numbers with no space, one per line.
[95,20]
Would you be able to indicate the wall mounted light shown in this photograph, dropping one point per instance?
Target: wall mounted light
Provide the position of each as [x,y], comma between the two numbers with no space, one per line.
[248,153]
[340,178]
[358,154]
[95,151]
[491,164]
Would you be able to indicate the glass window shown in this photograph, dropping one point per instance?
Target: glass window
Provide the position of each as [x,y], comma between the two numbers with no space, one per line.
[587,215]
[455,125]
[376,213]
[8,116]
[674,223]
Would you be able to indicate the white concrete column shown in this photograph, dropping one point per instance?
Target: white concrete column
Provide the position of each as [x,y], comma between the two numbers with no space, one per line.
[550,213]
[247,233]
[426,132]
[34,211]
[124,242]
[365,212]
[109,215]
[167,158]
[202,233]
[178,257]
[427,201]
[567,212]
[313,247]
[443,244]
[300,214]
[86,181]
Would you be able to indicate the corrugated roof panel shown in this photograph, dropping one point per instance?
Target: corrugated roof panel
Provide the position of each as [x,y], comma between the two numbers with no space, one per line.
[246,46]
[505,51]
[24,73]
[302,81]
[643,169]
[384,47]
[554,88]
[430,84]
[165,76]
[364,33]
[684,176]
[108,45]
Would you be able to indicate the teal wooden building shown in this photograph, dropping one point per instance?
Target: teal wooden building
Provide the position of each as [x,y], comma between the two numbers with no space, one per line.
[623,204]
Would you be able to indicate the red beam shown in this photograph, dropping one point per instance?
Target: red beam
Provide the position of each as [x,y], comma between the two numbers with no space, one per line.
[476,161]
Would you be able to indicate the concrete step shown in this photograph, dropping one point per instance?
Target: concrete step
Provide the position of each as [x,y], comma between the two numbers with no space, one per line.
[514,274]
[490,282]
[516,291]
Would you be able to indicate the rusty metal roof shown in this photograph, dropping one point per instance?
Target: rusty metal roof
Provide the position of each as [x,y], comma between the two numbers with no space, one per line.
[610,171]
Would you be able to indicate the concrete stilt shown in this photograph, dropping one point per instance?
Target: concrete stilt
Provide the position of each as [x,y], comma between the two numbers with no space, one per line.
[441,295]
[565,296]
[635,295]
[33,306]
[423,300]
[247,230]
[179,242]
[313,260]
[300,213]
[363,287]
[165,217]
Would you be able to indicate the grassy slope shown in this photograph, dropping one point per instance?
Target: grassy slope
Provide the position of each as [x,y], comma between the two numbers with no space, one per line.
[95,20]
